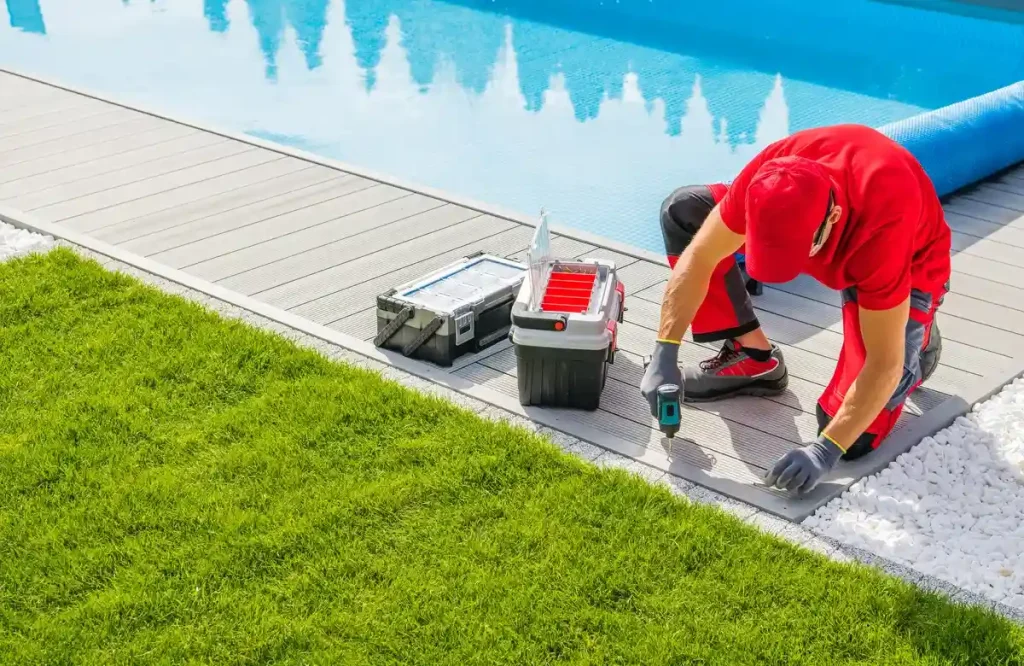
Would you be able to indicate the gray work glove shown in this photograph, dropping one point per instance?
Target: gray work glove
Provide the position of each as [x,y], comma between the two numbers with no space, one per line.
[662,369]
[801,469]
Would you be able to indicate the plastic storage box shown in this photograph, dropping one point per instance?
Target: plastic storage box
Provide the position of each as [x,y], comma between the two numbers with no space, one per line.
[461,308]
[564,328]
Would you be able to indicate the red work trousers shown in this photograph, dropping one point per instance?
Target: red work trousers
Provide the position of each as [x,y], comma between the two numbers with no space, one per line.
[727,312]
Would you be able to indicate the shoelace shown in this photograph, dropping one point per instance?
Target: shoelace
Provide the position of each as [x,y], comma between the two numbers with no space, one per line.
[728,353]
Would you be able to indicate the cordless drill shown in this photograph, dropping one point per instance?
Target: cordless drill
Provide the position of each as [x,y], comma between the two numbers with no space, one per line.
[668,409]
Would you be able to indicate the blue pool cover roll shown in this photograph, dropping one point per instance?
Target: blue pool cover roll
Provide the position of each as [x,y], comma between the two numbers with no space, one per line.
[966,142]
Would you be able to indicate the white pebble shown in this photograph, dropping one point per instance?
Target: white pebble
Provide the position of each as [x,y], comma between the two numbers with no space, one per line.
[15,242]
[952,506]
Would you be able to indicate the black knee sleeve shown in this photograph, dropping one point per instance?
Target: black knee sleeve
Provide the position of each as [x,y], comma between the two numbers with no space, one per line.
[682,214]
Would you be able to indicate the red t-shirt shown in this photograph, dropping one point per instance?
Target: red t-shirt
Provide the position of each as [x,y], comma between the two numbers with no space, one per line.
[892,235]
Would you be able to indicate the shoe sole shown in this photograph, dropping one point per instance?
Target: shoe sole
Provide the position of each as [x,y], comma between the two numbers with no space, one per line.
[761,388]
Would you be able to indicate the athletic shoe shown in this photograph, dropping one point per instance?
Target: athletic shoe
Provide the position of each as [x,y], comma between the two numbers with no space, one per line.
[733,372]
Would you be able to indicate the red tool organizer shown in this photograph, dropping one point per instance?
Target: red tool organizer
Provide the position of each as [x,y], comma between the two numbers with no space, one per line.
[568,292]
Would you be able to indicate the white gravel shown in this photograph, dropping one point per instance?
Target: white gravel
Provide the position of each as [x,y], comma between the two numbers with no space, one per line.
[951,507]
[15,242]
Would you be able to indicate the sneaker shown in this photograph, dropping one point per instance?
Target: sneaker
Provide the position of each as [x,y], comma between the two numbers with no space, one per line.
[732,372]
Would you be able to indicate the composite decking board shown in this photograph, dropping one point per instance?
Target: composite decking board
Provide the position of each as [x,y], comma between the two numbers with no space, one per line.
[156,161]
[28,125]
[87,171]
[108,118]
[352,197]
[1012,186]
[813,332]
[57,167]
[63,146]
[986,249]
[954,325]
[9,118]
[809,366]
[784,422]
[967,357]
[402,219]
[501,237]
[992,231]
[318,293]
[998,197]
[308,253]
[129,226]
[184,236]
[630,432]
[66,212]
[174,199]
[986,212]
[16,92]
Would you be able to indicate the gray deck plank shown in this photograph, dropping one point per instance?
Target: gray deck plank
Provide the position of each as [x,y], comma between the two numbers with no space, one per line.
[1006,185]
[972,226]
[62,163]
[498,237]
[33,123]
[983,289]
[84,169]
[352,197]
[377,226]
[954,326]
[986,212]
[254,170]
[776,302]
[16,92]
[997,197]
[630,433]
[790,424]
[61,146]
[313,250]
[47,110]
[136,228]
[108,118]
[64,201]
[810,357]
[986,249]
[975,266]
[307,290]
[163,159]
[192,232]
[66,211]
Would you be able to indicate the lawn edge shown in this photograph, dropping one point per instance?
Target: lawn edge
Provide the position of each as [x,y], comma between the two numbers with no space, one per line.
[768,524]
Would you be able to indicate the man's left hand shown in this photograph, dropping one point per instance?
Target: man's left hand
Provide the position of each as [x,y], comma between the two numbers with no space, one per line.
[803,468]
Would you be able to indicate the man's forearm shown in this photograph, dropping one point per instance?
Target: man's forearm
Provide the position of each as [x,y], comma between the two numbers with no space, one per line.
[866,398]
[687,286]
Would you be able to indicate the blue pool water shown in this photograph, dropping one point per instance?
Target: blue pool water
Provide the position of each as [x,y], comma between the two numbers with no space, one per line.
[593,109]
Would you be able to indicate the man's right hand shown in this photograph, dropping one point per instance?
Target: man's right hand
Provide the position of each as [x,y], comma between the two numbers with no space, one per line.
[663,369]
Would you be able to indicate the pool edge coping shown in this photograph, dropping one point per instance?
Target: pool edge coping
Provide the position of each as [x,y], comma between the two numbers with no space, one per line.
[790,509]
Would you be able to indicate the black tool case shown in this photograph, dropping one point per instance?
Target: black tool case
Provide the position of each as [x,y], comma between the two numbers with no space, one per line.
[459,309]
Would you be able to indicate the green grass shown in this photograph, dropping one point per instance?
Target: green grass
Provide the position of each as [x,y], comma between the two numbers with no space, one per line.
[176,488]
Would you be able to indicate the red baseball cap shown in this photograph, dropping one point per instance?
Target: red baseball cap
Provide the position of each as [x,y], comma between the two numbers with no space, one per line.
[786,203]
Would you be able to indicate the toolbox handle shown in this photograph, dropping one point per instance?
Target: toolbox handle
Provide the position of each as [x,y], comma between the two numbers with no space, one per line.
[540,321]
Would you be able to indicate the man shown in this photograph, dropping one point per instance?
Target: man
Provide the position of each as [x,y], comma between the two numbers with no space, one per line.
[853,209]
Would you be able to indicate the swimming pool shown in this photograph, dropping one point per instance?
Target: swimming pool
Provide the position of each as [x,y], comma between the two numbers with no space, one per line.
[593,109]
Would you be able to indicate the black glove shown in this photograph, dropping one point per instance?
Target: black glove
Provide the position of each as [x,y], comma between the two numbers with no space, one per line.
[663,369]
[802,469]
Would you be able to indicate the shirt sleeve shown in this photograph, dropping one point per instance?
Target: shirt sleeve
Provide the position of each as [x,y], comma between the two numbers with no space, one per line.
[733,206]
